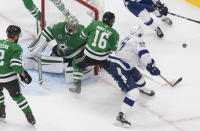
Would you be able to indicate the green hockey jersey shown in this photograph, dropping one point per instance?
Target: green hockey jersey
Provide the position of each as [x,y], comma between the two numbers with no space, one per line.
[101,40]
[10,61]
[67,45]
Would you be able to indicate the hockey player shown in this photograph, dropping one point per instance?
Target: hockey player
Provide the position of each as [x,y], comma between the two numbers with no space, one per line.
[10,67]
[131,54]
[67,36]
[33,9]
[141,9]
[101,40]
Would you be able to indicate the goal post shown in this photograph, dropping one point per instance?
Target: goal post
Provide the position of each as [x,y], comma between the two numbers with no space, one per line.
[95,10]
[43,14]
[81,2]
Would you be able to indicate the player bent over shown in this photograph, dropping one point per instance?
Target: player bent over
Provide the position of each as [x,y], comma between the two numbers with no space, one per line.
[67,36]
[10,67]
[131,54]
[102,39]
[142,8]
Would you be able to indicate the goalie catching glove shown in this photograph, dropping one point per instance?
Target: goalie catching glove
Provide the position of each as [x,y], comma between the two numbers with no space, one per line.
[25,77]
[153,70]
[162,8]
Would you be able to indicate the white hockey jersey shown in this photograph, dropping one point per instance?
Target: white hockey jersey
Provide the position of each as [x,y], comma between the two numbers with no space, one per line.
[131,53]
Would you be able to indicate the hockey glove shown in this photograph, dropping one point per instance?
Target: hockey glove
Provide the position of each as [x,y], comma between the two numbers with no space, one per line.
[152,69]
[25,77]
[162,8]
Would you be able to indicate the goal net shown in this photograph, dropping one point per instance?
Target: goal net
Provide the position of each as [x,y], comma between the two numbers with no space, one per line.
[84,10]
[79,8]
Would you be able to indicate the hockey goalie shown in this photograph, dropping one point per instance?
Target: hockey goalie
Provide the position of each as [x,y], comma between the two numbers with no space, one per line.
[69,44]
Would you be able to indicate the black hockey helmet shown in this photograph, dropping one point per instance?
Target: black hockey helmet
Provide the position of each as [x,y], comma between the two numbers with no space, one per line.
[13,31]
[109,18]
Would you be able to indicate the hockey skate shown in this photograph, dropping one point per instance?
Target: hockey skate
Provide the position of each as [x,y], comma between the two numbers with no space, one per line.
[159,32]
[2,112]
[167,21]
[77,88]
[30,118]
[147,92]
[121,121]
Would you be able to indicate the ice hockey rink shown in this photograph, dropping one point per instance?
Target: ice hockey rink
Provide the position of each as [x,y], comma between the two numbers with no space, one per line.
[56,109]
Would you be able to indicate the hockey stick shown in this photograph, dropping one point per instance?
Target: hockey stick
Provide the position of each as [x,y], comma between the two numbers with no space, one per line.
[40,70]
[184,17]
[37,27]
[167,82]
[175,83]
[41,82]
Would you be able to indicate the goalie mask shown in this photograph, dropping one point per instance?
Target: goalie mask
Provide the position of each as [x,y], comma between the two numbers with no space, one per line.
[137,31]
[71,26]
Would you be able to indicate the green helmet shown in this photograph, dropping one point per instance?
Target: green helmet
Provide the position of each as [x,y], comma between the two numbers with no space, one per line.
[71,25]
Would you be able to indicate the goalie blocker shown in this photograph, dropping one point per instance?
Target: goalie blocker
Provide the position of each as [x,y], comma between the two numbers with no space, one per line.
[52,64]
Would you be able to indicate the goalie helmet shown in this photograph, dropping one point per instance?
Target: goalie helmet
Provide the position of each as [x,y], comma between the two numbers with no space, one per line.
[109,18]
[13,31]
[137,31]
[71,26]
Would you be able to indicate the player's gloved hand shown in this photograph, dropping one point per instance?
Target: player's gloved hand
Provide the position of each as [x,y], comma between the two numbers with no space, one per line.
[25,77]
[162,8]
[152,69]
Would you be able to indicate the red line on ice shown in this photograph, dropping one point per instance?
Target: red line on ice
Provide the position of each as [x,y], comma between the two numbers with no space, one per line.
[186,119]
[171,123]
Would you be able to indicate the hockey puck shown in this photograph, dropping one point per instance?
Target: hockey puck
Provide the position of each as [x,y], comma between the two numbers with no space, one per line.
[184,45]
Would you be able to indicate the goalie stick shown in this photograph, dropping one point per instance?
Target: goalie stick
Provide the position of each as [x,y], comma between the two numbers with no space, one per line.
[40,70]
[41,82]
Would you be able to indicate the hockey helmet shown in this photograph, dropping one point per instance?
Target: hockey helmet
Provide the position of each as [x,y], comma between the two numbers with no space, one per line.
[109,18]
[13,31]
[137,31]
[71,25]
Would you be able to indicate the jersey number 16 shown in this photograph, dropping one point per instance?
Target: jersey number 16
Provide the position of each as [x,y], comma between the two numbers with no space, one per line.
[102,41]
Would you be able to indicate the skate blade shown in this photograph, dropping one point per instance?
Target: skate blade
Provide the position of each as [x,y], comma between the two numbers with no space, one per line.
[3,120]
[117,123]
[74,90]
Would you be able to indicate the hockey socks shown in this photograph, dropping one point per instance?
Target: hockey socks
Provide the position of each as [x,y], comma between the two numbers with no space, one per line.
[2,106]
[23,104]
[2,99]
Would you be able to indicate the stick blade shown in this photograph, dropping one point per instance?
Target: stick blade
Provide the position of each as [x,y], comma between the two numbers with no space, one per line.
[178,81]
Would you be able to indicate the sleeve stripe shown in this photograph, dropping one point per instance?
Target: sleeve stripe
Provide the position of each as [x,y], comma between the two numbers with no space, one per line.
[83,35]
[142,52]
[16,64]
[16,60]
[48,34]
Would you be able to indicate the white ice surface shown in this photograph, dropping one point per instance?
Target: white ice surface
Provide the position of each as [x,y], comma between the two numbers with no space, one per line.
[56,109]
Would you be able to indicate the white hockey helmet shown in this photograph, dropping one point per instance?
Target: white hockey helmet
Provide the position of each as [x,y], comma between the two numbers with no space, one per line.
[137,31]
[71,25]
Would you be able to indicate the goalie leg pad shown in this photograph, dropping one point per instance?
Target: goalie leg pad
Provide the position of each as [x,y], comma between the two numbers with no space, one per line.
[50,64]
